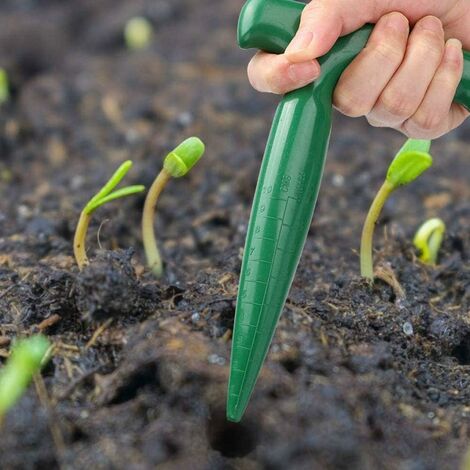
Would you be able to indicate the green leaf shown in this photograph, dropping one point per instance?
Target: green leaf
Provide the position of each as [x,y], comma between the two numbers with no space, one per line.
[184,157]
[110,185]
[120,193]
[412,160]
[25,360]
[415,145]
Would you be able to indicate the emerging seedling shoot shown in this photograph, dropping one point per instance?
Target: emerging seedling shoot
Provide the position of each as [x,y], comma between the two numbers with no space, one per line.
[412,160]
[176,164]
[138,33]
[27,358]
[428,240]
[106,194]
[4,87]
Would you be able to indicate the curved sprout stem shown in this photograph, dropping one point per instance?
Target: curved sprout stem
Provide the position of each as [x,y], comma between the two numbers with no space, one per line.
[367,266]
[105,195]
[148,235]
[428,240]
[79,240]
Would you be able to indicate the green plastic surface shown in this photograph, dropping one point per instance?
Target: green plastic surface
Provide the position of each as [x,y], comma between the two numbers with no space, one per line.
[287,188]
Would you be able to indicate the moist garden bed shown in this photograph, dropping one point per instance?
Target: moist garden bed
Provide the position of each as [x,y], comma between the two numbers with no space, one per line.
[357,378]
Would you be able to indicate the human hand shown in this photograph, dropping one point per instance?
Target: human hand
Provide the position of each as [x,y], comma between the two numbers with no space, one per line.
[404,80]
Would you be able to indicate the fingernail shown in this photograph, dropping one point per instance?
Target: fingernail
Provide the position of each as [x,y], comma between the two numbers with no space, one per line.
[454,43]
[431,23]
[300,42]
[304,73]
[453,51]
[396,21]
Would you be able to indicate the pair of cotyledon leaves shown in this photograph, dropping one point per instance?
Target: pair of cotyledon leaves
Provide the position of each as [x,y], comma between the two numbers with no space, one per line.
[177,163]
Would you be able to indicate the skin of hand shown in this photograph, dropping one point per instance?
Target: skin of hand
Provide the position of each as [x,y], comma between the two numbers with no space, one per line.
[406,76]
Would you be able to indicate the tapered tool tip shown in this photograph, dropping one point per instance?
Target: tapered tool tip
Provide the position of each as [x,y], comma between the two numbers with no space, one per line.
[233,414]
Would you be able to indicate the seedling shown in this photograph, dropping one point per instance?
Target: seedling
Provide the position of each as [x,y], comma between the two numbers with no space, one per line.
[106,194]
[412,160]
[428,240]
[138,33]
[4,87]
[27,358]
[176,164]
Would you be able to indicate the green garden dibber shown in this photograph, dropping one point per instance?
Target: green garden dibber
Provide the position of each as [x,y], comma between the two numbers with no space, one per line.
[287,188]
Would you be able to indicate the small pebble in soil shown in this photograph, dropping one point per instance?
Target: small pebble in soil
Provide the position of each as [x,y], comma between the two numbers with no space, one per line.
[77,182]
[195,317]
[184,119]
[24,212]
[408,328]
[338,180]
[215,359]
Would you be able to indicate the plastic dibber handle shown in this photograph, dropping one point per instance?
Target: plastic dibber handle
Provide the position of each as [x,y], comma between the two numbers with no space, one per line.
[287,189]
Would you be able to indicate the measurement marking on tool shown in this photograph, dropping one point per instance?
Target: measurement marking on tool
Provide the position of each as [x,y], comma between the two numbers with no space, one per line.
[259,331]
[272,217]
[256,281]
[260,261]
[241,345]
[251,303]
[266,238]
[277,199]
[285,251]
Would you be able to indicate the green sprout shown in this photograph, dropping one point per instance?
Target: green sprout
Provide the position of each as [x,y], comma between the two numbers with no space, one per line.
[412,160]
[428,240]
[138,33]
[4,87]
[105,195]
[26,360]
[176,164]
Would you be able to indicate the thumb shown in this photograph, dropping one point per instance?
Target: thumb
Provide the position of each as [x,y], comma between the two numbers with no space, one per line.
[322,23]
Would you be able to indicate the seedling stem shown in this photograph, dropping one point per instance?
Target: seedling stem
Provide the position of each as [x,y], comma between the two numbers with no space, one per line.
[408,164]
[369,227]
[106,194]
[154,259]
[177,163]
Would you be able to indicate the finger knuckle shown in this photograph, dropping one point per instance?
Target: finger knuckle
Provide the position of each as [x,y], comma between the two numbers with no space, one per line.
[374,122]
[397,103]
[430,42]
[430,47]
[416,133]
[348,104]
[388,52]
[426,121]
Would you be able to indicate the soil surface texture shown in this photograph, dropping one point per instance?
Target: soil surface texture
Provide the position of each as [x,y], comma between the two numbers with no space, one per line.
[357,377]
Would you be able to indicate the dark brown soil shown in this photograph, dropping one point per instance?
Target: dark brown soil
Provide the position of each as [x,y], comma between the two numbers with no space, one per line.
[357,378]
